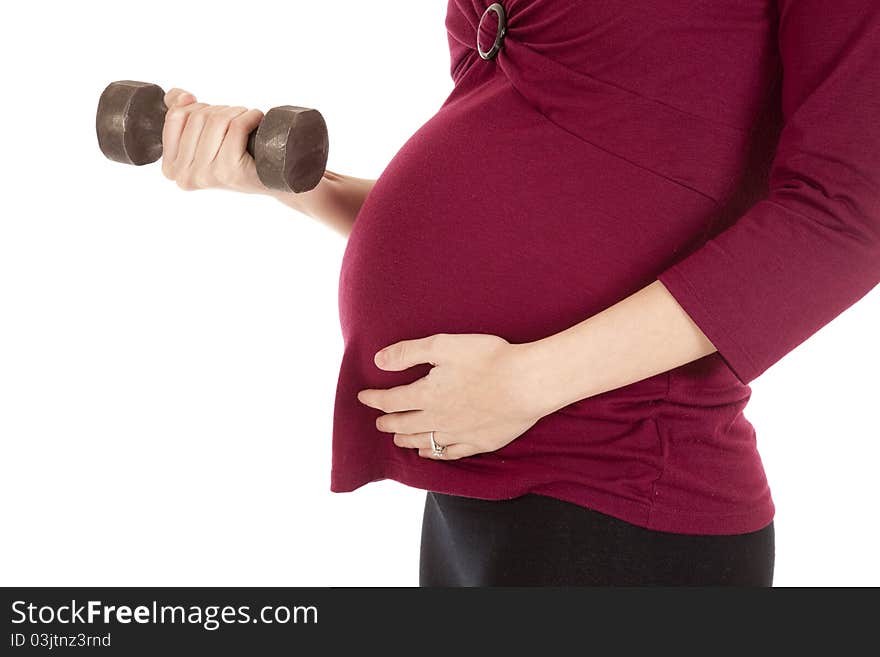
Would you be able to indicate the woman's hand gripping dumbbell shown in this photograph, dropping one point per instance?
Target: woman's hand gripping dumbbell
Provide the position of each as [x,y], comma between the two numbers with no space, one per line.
[205,146]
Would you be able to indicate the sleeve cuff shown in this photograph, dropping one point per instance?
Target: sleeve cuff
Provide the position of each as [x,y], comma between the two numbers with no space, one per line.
[736,358]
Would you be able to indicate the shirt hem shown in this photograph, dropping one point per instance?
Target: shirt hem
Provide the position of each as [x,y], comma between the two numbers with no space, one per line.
[648,516]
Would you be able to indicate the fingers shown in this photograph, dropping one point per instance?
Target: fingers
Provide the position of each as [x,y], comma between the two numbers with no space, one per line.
[414,440]
[176,120]
[211,138]
[451,453]
[406,397]
[405,422]
[204,145]
[417,440]
[178,96]
[409,432]
[406,353]
[174,98]
[422,442]
[192,133]
[237,134]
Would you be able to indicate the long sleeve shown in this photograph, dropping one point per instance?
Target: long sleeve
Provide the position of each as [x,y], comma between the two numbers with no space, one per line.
[810,248]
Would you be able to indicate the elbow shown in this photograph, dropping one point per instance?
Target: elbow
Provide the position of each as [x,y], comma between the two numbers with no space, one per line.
[842,212]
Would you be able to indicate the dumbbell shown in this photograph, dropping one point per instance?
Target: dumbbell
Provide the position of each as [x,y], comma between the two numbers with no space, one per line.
[289,146]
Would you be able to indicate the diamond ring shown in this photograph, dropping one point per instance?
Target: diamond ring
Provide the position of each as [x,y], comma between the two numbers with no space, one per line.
[436,450]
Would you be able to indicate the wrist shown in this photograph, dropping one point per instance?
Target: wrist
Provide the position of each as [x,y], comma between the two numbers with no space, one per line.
[258,188]
[539,378]
[313,202]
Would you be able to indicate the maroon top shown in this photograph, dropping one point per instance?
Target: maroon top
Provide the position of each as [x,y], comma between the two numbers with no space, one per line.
[729,148]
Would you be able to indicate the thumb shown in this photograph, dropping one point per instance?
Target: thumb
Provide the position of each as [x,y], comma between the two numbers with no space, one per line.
[178,96]
[407,353]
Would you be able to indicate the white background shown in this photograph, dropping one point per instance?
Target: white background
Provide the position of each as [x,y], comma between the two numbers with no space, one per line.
[168,359]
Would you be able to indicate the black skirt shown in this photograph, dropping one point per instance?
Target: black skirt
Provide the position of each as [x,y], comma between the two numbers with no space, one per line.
[536,540]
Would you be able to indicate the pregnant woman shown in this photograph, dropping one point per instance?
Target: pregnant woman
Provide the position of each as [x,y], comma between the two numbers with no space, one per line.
[556,295]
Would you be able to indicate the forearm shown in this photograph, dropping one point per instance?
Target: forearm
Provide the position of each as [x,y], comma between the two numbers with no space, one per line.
[642,335]
[335,201]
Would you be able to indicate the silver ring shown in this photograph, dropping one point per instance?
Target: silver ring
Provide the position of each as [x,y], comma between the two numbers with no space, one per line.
[498,8]
[436,450]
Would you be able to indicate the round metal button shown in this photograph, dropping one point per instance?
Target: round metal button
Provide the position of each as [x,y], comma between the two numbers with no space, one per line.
[500,31]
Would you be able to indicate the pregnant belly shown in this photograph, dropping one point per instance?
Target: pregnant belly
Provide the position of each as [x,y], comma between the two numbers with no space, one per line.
[493,219]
